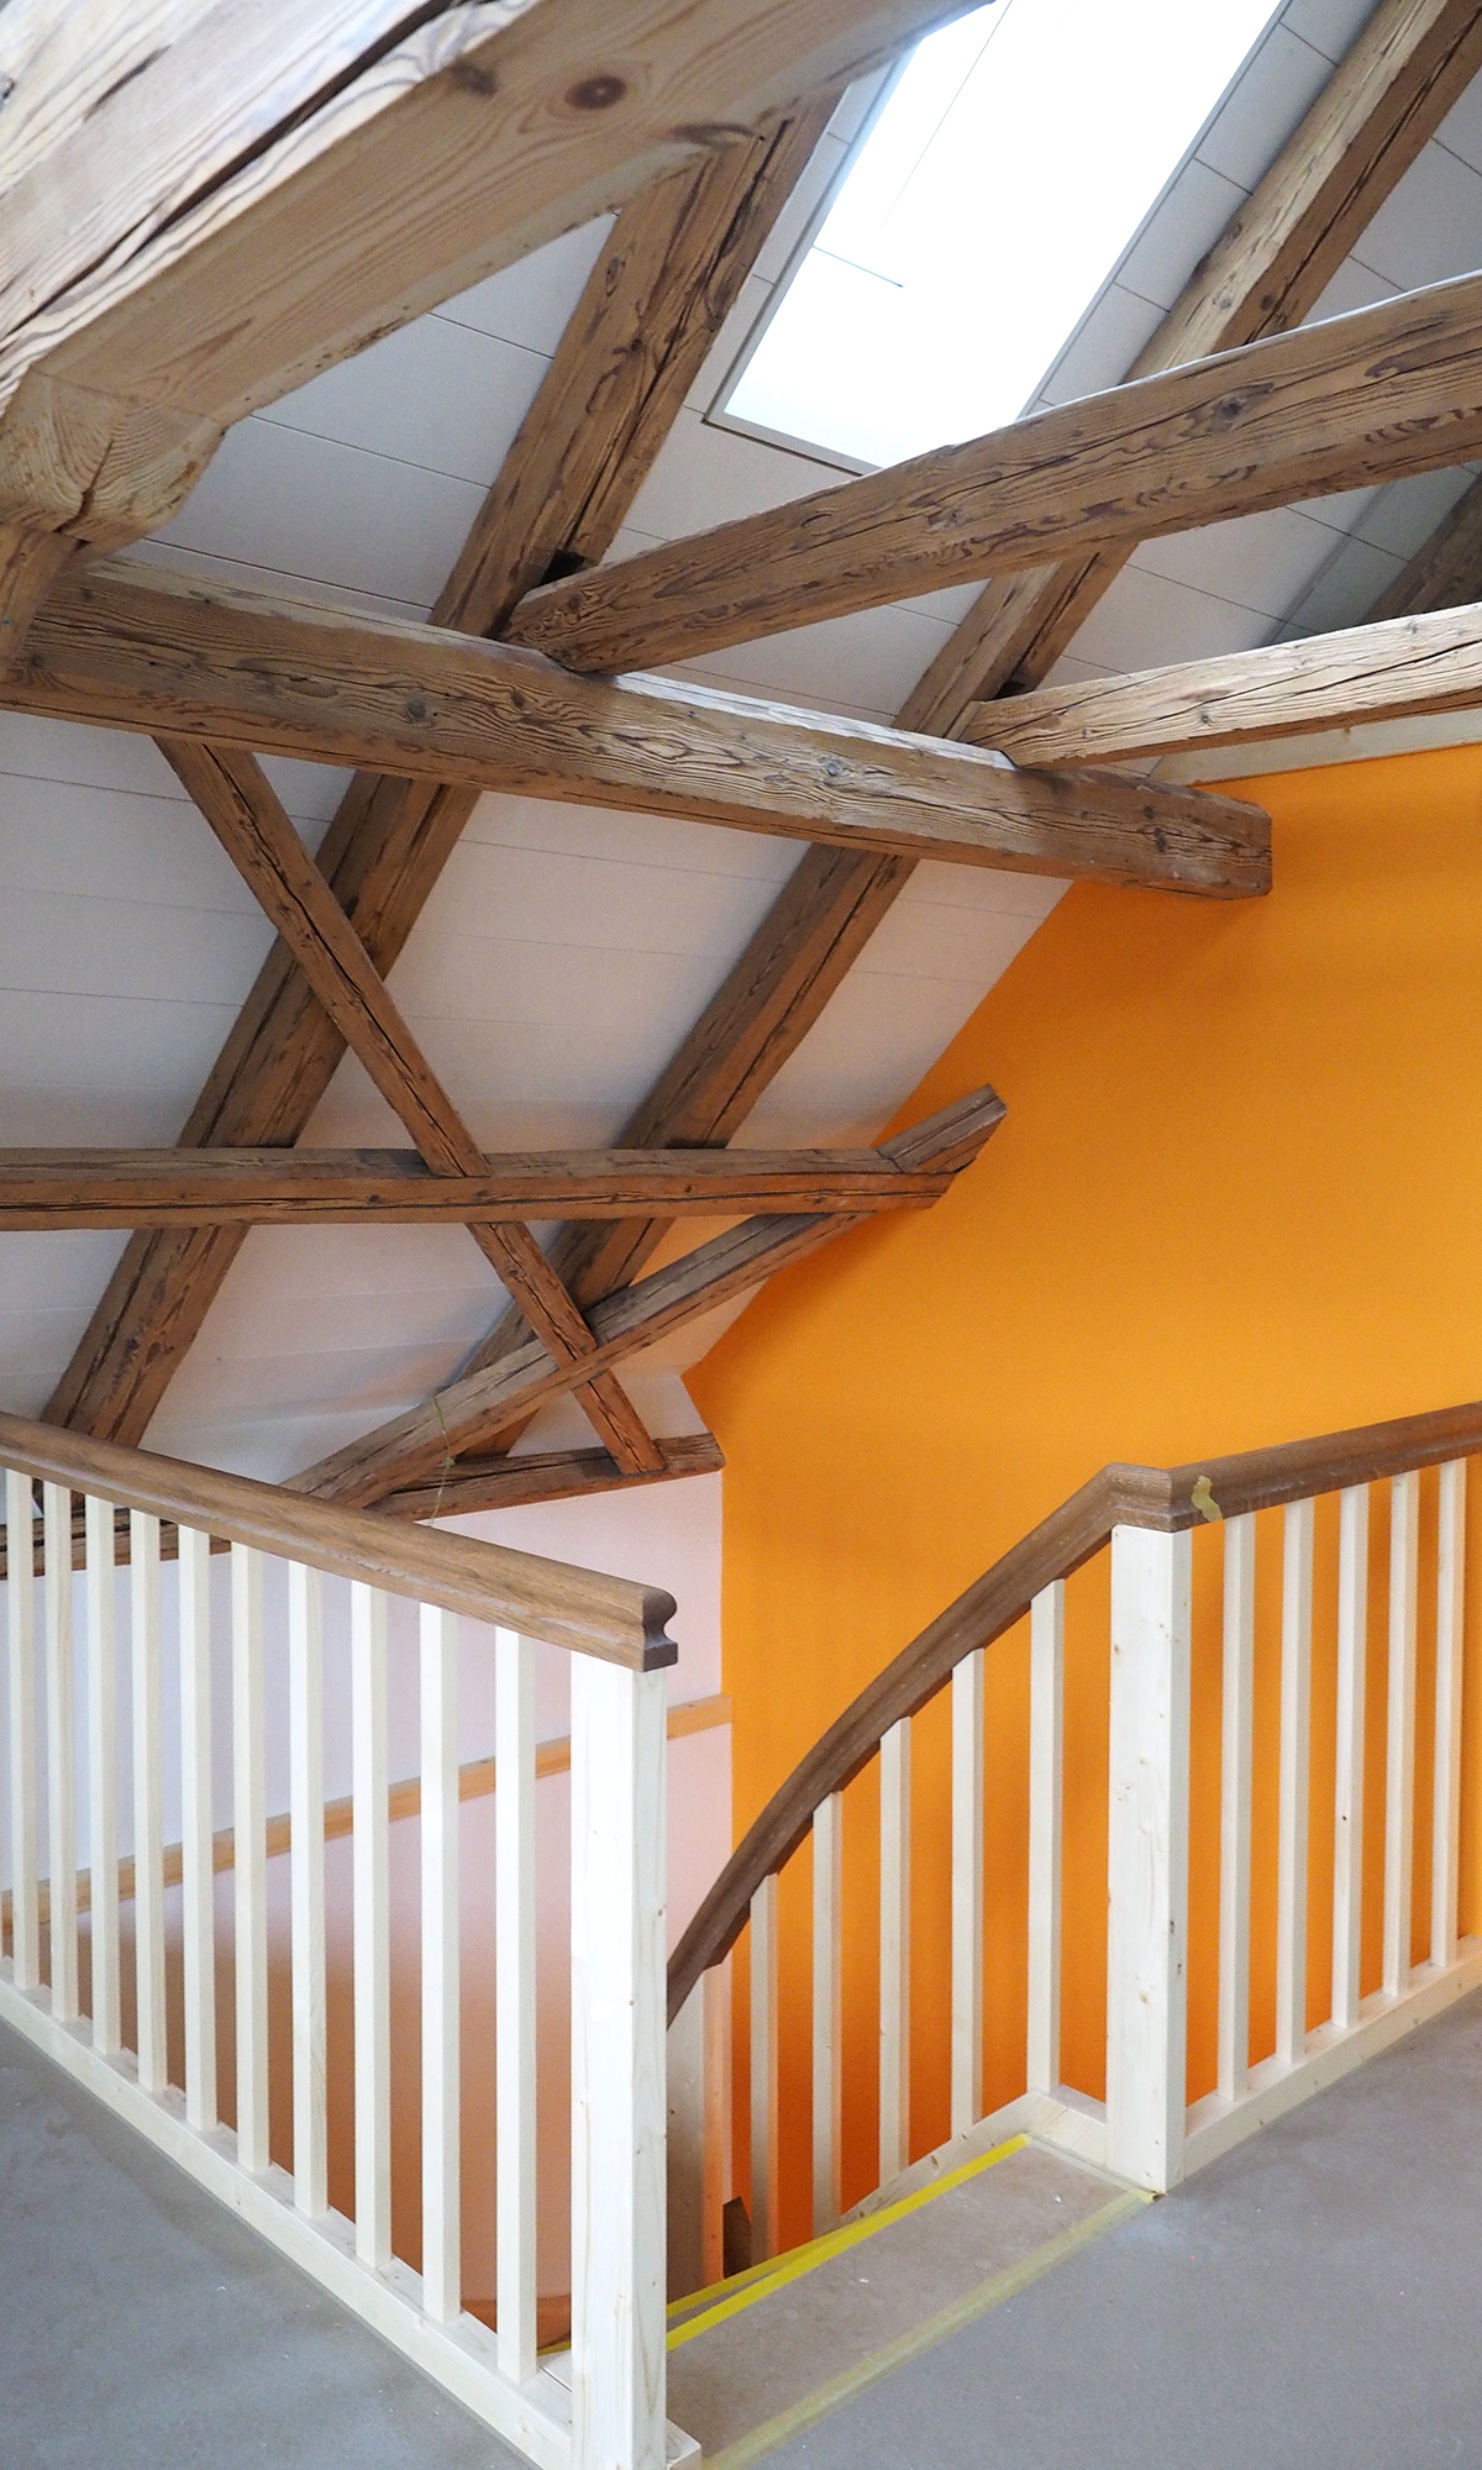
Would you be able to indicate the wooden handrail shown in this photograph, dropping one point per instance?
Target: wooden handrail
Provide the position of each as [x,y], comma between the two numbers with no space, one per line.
[617,1619]
[1166,1498]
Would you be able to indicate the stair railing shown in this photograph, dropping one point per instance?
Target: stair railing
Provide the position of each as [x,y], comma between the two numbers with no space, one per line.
[1150,1522]
[72,1986]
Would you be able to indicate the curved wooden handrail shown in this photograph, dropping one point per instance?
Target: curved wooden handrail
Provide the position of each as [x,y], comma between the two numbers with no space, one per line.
[614,1618]
[1166,1498]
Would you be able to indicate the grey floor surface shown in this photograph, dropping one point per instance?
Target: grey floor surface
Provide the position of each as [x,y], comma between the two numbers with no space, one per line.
[142,2327]
[1312,2302]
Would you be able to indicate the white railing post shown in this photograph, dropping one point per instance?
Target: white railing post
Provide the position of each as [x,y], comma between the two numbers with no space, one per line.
[1348,1804]
[828,2012]
[514,2000]
[895,1950]
[102,1764]
[1046,1759]
[966,2087]
[371,1891]
[149,1808]
[441,2176]
[618,2091]
[1399,1773]
[197,1851]
[1294,1777]
[20,1565]
[1235,1805]
[61,1752]
[306,1887]
[249,1858]
[763,2020]
[1451,1544]
[1148,1855]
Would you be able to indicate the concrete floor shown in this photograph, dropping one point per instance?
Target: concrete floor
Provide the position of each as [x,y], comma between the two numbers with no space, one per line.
[1313,2302]
[142,2327]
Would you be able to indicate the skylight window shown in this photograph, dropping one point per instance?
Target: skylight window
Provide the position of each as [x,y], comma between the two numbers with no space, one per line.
[1016,158]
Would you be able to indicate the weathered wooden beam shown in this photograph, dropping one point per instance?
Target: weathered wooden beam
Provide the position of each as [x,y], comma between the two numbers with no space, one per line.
[274,187]
[1386,391]
[606,400]
[139,646]
[1446,570]
[471,1412]
[547,1475]
[60,1188]
[1382,672]
[237,800]
[1385,100]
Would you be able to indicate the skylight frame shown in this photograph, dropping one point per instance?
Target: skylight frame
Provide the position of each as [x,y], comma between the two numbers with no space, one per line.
[719,416]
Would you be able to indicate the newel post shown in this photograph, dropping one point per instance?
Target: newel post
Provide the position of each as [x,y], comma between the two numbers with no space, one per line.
[618,2089]
[1148,1870]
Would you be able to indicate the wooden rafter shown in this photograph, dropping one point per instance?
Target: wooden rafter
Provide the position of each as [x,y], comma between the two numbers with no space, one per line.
[471,1412]
[1385,391]
[1446,570]
[390,839]
[1379,672]
[1384,101]
[276,186]
[546,1475]
[58,1188]
[140,646]
[237,800]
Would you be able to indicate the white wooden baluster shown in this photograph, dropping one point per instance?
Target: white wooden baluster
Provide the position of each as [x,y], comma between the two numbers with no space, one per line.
[372,1926]
[306,1885]
[102,1763]
[1348,1813]
[719,2116]
[1235,1805]
[618,2098]
[1046,1764]
[514,1993]
[197,1878]
[764,2069]
[441,2233]
[249,1859]
[895,1950]
[1293,1786]
[1450,1610]
[149,1816]
[61,1751]
[828,2056]
[1399,1783]
[1147,1929]
[21,1594]
[967,1892]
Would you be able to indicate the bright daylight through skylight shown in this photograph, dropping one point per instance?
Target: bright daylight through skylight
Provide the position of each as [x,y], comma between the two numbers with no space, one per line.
[1002,182]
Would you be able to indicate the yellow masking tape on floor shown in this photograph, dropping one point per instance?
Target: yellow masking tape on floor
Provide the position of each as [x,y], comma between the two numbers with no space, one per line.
[767,2278]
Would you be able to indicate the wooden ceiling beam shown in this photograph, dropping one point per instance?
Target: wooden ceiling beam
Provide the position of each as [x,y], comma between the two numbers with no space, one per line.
[603,399]
[275,187]
[1379,672]
[471,1412]
[1386,391]
[1446,570]
[1382,104]
[547,1475]
[138,646]
[61,1188]
[237,800]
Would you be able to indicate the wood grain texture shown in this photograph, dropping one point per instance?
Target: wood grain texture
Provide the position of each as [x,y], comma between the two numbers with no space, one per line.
[391,837]
[61,1188]
[1446,570]
[1265,273]
[234,794]
[634,345]
[275,188]
[1383,392]
[1158,1497]
[140,647]
[487,1400]
[568,1607]
[1375,672]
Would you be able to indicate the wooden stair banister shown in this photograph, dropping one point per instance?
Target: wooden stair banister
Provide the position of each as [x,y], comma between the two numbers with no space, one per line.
[1168,1499]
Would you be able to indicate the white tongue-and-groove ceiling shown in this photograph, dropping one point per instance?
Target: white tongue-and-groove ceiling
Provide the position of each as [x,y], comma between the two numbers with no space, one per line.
[566,950]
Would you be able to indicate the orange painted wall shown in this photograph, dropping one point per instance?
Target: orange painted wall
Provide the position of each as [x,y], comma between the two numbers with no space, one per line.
[1238,1199]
